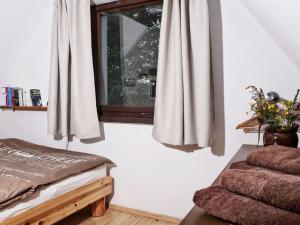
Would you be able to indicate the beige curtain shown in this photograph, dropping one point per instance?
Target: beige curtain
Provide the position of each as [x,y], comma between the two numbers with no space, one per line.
[183,107]
[72,101]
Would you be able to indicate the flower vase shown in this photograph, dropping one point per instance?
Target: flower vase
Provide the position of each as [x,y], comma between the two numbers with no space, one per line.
[284,137]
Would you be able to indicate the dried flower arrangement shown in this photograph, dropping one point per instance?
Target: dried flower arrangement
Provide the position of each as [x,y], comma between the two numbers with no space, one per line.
[273,112]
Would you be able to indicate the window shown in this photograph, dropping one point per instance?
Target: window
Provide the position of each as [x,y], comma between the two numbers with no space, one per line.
[126,38]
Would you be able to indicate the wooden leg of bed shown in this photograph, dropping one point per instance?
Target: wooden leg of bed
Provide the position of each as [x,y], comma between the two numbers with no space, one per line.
[98,208]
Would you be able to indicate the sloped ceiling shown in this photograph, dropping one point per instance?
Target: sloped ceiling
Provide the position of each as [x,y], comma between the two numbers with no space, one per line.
[281,20]
[18,21]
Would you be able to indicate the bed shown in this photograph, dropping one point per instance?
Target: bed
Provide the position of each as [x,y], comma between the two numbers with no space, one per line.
[52,202]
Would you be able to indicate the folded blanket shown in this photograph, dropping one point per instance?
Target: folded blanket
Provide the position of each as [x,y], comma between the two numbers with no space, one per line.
[243,165]
[280,190]
[277,157]
[242,210]
[24,167]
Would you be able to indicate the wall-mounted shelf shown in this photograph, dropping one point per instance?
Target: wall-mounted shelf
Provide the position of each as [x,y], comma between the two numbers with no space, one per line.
[24,108]
[249,126]
[252,126]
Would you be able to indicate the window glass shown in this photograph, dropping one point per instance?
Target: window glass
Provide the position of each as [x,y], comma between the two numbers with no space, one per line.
[129,42]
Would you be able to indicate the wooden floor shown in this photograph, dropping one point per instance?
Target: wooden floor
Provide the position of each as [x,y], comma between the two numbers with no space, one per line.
[112,217]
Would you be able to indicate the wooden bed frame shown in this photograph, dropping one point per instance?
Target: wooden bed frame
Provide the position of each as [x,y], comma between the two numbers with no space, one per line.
[66,204]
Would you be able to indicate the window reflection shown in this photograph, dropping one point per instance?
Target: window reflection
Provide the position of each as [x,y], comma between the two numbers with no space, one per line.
[129,44]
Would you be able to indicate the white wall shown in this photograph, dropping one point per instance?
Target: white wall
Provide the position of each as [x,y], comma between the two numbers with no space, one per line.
[150,176]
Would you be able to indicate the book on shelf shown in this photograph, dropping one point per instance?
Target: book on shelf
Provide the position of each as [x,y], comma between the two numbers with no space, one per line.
[3,96]
[36,98]
[10,97]
[15,96]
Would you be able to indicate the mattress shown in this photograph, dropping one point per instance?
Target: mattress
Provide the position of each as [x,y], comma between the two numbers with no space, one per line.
[51,191]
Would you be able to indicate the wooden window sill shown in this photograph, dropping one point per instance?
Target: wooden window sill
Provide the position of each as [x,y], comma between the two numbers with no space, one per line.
[126,114]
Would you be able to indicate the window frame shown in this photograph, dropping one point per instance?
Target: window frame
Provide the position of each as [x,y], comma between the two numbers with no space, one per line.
[111,113]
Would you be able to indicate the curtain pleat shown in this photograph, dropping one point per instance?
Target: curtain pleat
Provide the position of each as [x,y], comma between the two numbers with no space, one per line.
[183,107]
[72,101]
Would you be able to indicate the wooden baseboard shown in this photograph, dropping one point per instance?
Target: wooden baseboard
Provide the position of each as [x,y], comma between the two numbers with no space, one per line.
[146,214]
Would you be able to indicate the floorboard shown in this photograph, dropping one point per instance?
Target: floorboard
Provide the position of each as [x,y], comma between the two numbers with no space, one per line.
[133,219]
[146,221]
[157,222]
[111,217]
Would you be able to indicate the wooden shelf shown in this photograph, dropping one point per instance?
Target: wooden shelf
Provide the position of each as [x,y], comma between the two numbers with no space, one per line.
[24,108]
[249,126]
[252,126]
